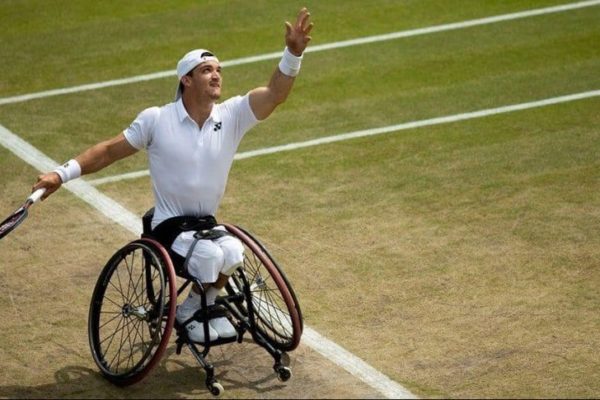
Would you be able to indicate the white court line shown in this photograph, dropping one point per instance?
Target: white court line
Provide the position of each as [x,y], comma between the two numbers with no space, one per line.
[117,213]
[313,49]
[379,131]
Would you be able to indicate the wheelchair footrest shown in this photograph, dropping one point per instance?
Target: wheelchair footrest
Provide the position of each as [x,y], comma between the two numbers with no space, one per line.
[179,346]
[183,338]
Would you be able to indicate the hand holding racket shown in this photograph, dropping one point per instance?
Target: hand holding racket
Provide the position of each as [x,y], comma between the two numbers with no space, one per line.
[20,214]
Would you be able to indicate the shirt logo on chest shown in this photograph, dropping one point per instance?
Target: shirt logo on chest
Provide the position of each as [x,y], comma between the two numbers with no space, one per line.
[217,127]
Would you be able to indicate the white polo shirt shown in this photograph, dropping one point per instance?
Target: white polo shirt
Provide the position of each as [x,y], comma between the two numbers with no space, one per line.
[189,165]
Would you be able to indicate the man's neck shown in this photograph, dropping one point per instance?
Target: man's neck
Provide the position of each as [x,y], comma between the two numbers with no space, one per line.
[199,111]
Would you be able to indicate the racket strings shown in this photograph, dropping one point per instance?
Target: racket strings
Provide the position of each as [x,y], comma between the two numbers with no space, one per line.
[11,221]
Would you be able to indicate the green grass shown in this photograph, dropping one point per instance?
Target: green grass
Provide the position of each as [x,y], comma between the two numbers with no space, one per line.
[54,43]
[460,259]
[411,80]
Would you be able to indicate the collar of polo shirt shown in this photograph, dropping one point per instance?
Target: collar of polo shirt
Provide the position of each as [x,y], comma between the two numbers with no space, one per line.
[183,114]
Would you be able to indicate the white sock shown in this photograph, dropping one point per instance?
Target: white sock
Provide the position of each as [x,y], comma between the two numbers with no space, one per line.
[211,295]
[189,306]
[194,302]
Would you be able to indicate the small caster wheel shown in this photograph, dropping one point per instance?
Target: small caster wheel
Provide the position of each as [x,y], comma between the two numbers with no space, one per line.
[216,389]
[284,374]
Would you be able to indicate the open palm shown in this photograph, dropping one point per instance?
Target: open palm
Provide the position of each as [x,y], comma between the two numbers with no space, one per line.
[297,35]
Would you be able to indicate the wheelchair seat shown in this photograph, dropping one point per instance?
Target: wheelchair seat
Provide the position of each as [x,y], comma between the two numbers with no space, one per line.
[177,259]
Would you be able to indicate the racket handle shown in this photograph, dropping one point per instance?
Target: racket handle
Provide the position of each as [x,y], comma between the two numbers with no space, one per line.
[35,196]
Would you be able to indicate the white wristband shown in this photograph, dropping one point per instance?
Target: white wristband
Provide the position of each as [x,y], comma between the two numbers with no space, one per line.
[290,64]
[69,170]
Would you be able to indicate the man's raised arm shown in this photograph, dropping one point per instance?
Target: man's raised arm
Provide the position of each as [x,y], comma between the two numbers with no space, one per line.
[264,100]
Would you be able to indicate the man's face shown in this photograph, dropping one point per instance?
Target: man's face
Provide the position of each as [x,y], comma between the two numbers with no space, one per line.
[205,81]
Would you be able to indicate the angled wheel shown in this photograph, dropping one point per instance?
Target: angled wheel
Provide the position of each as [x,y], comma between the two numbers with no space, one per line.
[132,311]
[270,302]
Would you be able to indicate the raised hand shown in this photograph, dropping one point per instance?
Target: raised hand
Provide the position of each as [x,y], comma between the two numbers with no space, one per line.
[297,36]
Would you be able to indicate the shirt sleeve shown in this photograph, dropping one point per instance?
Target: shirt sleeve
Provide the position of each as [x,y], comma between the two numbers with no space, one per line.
[239,108]
[247,118]
[139,134]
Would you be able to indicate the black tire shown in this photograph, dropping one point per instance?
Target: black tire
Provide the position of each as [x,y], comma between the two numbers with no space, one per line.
[270,302]
[132,311]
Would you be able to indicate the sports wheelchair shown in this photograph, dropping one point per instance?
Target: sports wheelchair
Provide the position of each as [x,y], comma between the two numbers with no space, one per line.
[132,311]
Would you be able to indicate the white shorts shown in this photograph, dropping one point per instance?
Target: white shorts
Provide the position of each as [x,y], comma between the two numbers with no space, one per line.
[210,257]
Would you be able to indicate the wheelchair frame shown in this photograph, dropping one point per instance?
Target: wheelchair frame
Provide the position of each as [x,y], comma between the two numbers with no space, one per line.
[132,311]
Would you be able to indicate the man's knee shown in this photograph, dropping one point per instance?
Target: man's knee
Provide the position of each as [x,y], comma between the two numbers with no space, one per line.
[233,253]
[206,261]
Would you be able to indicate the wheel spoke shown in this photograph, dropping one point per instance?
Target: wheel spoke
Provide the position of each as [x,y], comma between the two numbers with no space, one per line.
[272,306]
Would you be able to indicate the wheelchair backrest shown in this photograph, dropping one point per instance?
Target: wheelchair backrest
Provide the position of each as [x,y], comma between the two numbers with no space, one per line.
[147,221]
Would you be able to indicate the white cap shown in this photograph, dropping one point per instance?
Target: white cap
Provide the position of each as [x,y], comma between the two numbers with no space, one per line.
[189,62]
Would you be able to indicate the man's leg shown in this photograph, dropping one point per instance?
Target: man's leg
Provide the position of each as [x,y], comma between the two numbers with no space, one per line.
[233,254]
[233,257]
[205,263]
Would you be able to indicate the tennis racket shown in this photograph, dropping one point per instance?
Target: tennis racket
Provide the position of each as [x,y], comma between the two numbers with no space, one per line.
[20,214]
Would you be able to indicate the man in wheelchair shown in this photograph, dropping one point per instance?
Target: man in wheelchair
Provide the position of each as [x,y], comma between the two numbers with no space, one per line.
[191,143]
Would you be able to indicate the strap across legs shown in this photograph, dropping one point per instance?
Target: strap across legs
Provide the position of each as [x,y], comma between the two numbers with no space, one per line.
[205,234]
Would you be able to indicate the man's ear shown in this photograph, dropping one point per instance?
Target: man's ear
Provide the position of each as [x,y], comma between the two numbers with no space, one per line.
[186,80]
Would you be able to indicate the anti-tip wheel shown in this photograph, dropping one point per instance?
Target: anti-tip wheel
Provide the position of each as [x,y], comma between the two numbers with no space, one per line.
[284,374]
[216,389]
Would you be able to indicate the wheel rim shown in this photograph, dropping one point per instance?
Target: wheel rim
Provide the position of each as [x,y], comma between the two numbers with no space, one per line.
[274,310]
[268,303]
[128,313]
[281,273]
